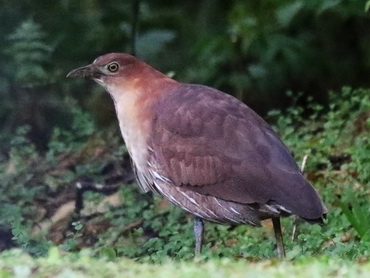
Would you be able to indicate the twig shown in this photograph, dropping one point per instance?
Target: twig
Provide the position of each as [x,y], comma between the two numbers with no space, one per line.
[304,160]
[129,227]
[83,186]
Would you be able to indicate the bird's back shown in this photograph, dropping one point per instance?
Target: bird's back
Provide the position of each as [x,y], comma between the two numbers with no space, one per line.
[210,143]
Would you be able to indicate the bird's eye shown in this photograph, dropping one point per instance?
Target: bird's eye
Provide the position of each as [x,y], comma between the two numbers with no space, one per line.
[113,67]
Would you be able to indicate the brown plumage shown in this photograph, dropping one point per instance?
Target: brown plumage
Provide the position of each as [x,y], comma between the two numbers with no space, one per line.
[202,149]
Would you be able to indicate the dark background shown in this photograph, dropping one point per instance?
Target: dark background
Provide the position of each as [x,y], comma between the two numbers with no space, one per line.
[256,50]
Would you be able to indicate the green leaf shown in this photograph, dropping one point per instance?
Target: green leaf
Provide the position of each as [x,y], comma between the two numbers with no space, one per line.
[108,253]
[286,14]
[367,6]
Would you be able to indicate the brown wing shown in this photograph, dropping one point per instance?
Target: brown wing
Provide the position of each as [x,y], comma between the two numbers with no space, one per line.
[212,143]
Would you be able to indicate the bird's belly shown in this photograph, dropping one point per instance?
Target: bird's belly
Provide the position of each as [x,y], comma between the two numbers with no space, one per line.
[208,207]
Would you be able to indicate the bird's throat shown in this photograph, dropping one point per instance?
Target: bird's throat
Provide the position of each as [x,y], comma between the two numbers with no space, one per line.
[134,119]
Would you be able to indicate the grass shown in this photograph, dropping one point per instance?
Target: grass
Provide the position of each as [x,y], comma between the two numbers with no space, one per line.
[145,236]
[17,264]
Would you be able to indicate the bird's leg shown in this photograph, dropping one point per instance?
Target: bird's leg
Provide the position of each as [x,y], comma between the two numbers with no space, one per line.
[279,237]
[198,233]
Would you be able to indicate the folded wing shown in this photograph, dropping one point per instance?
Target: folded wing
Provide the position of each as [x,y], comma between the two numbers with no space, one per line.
[211,143]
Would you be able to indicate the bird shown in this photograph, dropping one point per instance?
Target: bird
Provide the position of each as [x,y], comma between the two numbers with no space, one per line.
[203,150]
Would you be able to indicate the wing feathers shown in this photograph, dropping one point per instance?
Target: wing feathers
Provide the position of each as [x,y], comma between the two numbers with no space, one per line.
[213,144]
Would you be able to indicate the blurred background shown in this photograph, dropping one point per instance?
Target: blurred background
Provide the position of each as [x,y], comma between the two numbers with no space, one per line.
[304,65]
[256,50]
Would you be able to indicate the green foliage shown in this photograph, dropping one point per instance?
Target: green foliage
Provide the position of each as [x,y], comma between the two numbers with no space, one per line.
[335,165]
[318,135]
[82,126]
[71,243]
[336,141]
[255,50]
[17,196]
[146,228]
[30,54]
[270,45]
[29,76]
[357,215]
[17,264]
[28,175]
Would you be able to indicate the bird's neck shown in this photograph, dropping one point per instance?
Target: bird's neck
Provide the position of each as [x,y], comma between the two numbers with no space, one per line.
[134,101]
